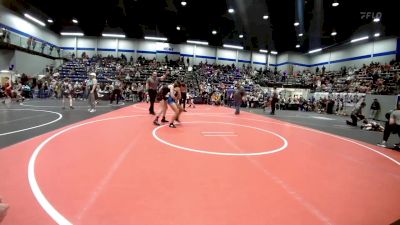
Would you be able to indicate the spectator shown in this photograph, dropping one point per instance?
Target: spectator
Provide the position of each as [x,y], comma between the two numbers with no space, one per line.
[29,42]
[2,35]
[42,47]
[33,44]
[274,100]
[375,108]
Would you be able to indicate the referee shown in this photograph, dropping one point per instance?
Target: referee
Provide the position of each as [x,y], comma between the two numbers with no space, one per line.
[152,85]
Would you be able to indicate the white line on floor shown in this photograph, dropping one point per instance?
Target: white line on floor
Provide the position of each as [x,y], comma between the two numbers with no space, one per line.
[217,132]
[220,135]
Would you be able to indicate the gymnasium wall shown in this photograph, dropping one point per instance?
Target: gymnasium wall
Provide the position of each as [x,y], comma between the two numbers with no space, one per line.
[244,58]
[387,102]
[24,62]
[31,64]
[260,60]
[205,54]
[18,24]
[23,29]
[299,61]
[348,55]
[282,62]
[6,59]
[355,55]
[226,56]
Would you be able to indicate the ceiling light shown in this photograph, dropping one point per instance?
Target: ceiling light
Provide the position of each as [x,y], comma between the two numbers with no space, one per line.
[301,35]
[315,50]
[335,4]
[274,53]
[197,42]
[376,20]
[114,35]
[296,24]
[214,32]
[183,3]
[334,33]
[156,38]
[231,10]
[265,17]
[359,39]
[178,28]
[297,46]
[74,20]
[50,21]
[263,51]
[71,34]
[34,19]
[241,36]
[377,34]
[233,46]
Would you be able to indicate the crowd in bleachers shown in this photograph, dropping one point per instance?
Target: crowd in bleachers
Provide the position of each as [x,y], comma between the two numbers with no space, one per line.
[374,78]
[214,84]
[109,69]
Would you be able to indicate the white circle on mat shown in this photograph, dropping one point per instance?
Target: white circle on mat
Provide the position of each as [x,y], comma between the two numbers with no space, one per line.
[33,127]
[285,142]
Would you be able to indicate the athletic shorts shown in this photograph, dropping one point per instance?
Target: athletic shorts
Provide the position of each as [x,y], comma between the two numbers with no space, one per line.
[161,97]
[67,94]
[171,101]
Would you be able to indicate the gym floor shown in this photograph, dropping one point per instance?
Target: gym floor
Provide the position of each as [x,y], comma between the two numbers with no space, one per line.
[115,167]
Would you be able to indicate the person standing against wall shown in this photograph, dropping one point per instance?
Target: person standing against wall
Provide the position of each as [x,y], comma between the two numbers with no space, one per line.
[151,86]
[92,85]
[375,108]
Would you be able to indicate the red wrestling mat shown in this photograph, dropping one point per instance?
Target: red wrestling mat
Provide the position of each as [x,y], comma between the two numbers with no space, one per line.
[215,168]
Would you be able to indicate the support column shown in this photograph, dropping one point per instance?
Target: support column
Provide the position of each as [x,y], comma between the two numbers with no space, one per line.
[194,54]
[237,57]
[97,46]
[373,49]
[329,61]
[76,47]
[398,49]
[251,59]
[117,45]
